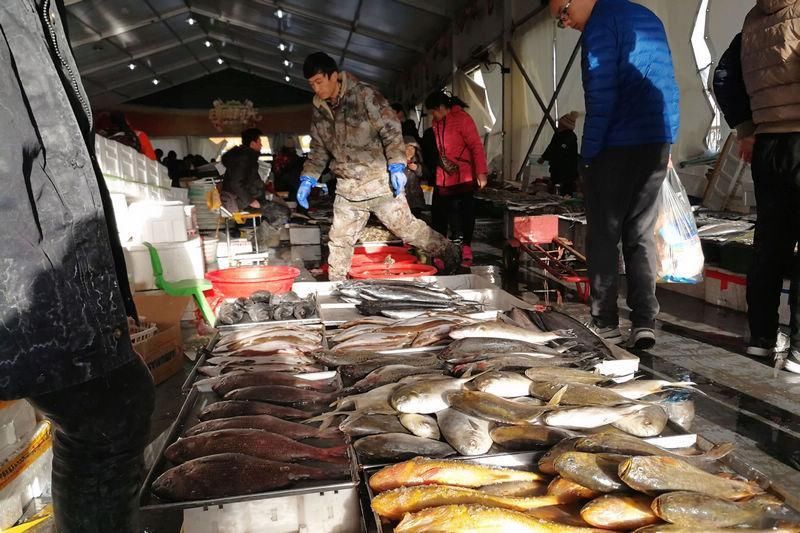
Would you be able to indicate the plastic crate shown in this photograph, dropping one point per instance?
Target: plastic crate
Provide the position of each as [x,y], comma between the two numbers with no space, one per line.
[141,333]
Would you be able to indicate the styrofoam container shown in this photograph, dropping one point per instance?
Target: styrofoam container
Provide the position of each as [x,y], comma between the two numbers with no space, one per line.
[332,511]
[127,165]
[163,177]
[238,246]
[158,222]
[180,260]
[152,171]
[120,204]
[26,475]
[17,422]
[210,249]
[179,194]
[190,212]
[141,167]
[726,289]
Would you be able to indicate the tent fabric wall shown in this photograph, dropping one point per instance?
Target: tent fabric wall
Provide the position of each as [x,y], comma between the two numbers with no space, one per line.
[493,79]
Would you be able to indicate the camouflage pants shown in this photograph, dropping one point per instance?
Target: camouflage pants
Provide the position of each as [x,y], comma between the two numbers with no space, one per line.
[350,217]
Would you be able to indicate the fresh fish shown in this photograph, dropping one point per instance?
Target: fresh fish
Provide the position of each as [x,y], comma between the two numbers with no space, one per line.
[336,359]
[494,330]
[293,430]
[261,297]
[266,359]
[209,370]
[467,434]
[569,514]
[691,509]
[496,409]
[425,397]
[434,335]
[576,393]
[630,445]
[673,528]
[554,321]
[353,373]
[527,437]
[620,512]
[258,312]
[283,311]
[503,384]
[516,489]
[514,361]
[271,343]
[227,383]
[375,341]
[292,369]
[564,375]
[305,308]
[375,400]
[284,297]
[199,479]
[420,425]
[394,504]
[386,374]
[370,320]
[422,471]
[255,442]
[470,518]
[597,472]
[353,332]
[662,474]
[240,408]
[527,400]
[548,459]
[589,417]
[282,395]
[375,449]
[681,412]
[362,425]
[637,389]
[522,319]
[647,422]
[568,491]
[467,348]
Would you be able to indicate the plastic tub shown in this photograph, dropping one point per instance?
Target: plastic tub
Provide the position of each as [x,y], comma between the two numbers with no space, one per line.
[241,282]
[380,259]
[379,249]
[411,270]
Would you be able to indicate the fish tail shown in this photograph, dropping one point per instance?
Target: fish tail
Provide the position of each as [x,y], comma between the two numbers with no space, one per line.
[718,451]
[565,333]
[324,417]
[336,454]
[556,399]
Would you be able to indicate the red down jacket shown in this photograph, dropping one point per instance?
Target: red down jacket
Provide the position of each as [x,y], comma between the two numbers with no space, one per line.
[457,139]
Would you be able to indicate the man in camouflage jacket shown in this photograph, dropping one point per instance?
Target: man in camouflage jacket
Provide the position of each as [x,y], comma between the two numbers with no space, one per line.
[354,128]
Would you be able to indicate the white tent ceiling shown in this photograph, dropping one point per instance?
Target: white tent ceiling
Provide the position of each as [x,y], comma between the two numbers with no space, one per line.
[175,41]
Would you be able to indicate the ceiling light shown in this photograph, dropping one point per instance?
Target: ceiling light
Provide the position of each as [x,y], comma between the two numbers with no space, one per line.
[190,21]
[208,44]
[287,63]
[282,47]
[132,66]
[279,13]
[220,60]
[155,81]
[287,78]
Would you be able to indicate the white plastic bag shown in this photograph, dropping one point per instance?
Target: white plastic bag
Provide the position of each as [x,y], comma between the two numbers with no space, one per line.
[680,255]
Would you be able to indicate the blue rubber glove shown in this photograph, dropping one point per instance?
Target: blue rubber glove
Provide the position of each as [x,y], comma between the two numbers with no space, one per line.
[306,184]
[398,178]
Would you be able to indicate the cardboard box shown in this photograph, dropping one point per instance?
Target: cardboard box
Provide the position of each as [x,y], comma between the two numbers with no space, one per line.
[726,289]
[728,172]
[163,352]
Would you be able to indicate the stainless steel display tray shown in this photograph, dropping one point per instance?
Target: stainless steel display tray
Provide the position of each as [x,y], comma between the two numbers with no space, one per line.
[187,417]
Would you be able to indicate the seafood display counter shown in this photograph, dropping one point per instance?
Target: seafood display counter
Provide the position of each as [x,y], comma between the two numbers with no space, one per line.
[471,414]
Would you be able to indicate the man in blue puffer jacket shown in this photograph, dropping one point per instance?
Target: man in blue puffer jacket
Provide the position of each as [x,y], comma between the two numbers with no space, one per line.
[632,119]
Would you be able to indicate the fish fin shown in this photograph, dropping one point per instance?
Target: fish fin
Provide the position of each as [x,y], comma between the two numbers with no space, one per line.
[468,372]
[430,473]
[476,375]
[565,334]
[326,417]
[556,399]
[718,451]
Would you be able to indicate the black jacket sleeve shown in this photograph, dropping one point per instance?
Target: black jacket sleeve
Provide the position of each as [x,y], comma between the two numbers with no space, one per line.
[730,90]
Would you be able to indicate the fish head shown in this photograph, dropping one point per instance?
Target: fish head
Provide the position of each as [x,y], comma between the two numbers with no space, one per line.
[406,401]
[166,485]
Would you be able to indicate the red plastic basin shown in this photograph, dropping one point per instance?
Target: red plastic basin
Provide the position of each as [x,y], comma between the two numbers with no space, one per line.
[409,270]
[241,282]
[379,259]
[379,250]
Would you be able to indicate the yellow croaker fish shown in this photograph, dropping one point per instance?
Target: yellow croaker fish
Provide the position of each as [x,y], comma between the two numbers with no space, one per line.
[620,511]
[702,510]
[570,492]
[470,518]
[394,504]
[421,471]
[662,474]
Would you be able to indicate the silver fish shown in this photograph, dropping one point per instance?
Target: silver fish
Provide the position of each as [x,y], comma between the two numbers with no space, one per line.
[637,389]
[363,424]
[507,331]
[503,384]
[387,374]
[425,397]
[647,422]
[420,425]
[589,417]
[467,434]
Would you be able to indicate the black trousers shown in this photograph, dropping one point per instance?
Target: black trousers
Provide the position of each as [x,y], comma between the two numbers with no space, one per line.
[101,430]
[454,212]
[776,176]
[622,188]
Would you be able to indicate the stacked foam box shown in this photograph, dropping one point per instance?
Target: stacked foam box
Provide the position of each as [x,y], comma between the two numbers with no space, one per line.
[128,172]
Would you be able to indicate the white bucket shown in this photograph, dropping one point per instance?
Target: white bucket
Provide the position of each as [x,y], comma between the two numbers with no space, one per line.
[210,245]
[180,260]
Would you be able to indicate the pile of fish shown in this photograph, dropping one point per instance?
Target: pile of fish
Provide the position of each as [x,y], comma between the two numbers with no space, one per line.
[263,306]
[276,348]
[613,483]
[401,298]
[381,333]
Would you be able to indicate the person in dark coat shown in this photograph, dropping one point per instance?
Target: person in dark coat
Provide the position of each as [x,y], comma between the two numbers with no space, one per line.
[562,154]
[414,173]
[65,298]
[407,124]
[241,181]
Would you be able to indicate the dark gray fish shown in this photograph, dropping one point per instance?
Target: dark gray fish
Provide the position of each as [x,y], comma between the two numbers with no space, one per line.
[283,311]
[305,308]
[393,447]
[258,312]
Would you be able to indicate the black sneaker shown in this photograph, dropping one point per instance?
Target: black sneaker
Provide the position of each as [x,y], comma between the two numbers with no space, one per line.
[792,363]
[642,339]
[759,347]
[611,335]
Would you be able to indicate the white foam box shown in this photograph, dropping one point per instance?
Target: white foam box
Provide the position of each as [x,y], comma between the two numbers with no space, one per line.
[152,171]
[332,511]
[694,290]
[694,180]
[120,205]
[163,177]
[127,165]
[107,156]
[238,246]
[17,422]
[140,168]
[26,474]
[180,260]
[726,289]
[727,173]
[190,212]
[304,234]
[158,221]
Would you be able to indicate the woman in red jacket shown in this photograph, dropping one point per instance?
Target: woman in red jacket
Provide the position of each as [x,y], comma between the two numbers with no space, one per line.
[461,168]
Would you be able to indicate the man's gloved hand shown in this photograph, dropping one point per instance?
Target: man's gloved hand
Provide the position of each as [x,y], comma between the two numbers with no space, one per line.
[398,175]
[306,184]
[324,188]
